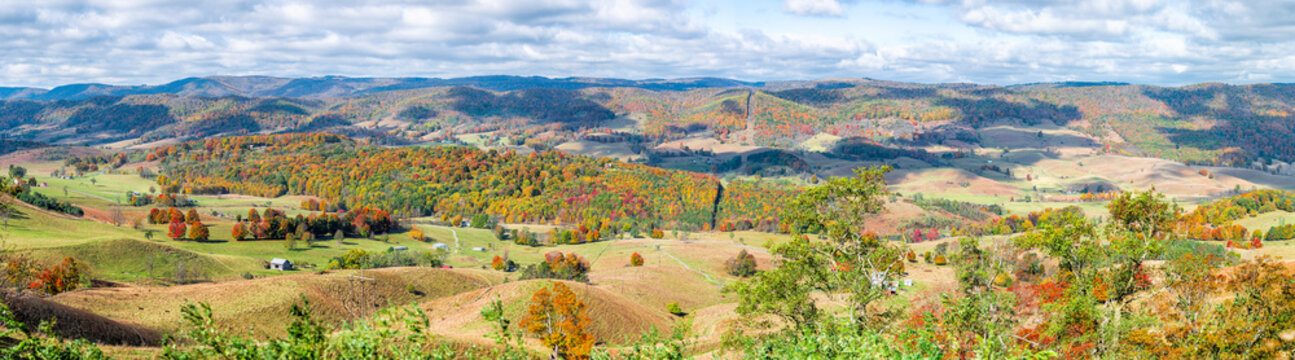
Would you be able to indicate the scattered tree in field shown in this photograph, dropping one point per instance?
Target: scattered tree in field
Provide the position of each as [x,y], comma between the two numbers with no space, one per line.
[557,265]
[191,217]
[173,214]
[417,234]
[560,320]
[198,232]
[239,232]
[941,260]
[156,216]
[497,263]
[674,308]
[658,234]
[636,259]
[742,265]
[176,230]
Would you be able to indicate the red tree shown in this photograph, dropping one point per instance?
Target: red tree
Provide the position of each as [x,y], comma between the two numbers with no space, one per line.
[177,229]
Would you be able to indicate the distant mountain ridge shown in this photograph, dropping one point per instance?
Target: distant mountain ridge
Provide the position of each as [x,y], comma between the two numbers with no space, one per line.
[341,86]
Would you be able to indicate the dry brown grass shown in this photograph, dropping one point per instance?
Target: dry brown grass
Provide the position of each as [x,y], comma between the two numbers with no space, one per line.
[616,319]
[70,322]
[259,307]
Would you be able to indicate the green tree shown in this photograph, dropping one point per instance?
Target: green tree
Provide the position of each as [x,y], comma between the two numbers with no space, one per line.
[850,263]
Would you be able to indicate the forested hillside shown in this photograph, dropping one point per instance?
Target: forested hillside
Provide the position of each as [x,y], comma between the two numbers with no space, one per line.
[544,187]
[1211,124]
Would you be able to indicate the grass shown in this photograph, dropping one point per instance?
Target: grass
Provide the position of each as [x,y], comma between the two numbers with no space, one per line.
[36,229]
[1266,220]
[135,260]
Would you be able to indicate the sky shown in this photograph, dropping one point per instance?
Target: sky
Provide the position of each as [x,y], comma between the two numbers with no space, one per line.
[1163,42]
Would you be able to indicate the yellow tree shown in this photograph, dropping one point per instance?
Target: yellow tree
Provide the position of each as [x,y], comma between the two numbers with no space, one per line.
[561,321]
[191,217]
[198,232]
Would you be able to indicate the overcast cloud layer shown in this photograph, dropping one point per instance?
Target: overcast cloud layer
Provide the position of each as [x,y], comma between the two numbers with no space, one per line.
[51,42]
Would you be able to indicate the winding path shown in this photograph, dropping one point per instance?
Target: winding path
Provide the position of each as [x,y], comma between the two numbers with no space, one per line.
[685,265]
[456,239]
[92,195]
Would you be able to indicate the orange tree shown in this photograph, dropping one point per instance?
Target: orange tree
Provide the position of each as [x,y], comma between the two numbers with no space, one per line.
[63,277]
[239,232]
[561,321]
[636,259]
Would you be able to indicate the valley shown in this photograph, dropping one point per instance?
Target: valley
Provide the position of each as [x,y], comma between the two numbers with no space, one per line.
[440,201]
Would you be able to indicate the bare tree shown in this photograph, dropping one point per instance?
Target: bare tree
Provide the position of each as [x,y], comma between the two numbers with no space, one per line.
[116,216]
[7,209]
[179,270]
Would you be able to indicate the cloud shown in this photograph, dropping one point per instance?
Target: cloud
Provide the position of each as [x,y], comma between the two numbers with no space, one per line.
[812,7]
[55,42]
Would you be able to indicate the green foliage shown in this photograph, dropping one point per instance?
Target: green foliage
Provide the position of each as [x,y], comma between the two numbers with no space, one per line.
[480,221]
[835,340]
[41,343]
[742,265]
[852,262]
[394,333]
[674,308]
[24,194]
[1280,232]
[653,345]
[360,259]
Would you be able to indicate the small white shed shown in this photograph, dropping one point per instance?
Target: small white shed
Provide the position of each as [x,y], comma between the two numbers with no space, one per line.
[280,264]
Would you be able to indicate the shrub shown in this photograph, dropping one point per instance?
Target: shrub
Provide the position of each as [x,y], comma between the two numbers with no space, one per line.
[673,308]
[47,203]
[636,259]
[912,257]
[940,260]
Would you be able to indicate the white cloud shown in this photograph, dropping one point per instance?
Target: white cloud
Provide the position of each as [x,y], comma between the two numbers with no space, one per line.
[812,7]
[55,42]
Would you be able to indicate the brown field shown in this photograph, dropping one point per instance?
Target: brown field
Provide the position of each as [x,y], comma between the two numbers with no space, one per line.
[260,306]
